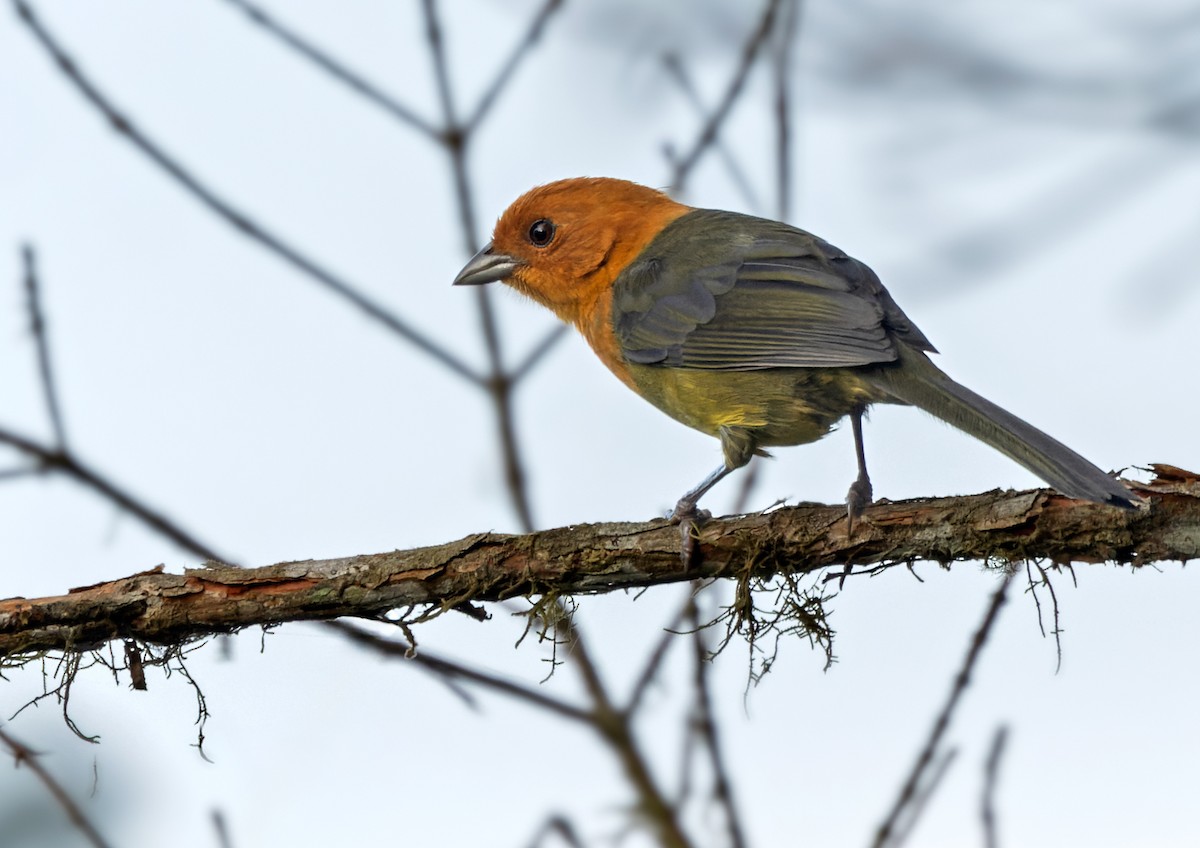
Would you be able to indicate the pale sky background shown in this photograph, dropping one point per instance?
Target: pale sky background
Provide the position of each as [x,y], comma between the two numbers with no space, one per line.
[1023,177]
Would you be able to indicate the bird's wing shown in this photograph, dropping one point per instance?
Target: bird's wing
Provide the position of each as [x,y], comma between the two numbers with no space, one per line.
[723,291]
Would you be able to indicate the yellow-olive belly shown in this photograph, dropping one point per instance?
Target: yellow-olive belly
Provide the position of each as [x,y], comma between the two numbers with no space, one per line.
[778,406]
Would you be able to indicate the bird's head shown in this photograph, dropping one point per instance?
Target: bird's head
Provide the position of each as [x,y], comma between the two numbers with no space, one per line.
[564,243]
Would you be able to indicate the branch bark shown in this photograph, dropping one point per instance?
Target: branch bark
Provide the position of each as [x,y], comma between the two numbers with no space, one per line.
[162,608]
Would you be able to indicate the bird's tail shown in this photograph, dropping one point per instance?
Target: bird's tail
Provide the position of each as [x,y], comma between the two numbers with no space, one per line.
[917,381]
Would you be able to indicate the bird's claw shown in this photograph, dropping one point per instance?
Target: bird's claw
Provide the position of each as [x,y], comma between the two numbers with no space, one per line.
[689,519]
[857,499]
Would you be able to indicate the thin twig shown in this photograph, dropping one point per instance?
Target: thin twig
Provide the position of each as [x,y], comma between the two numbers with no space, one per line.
[991,772]
[455,138]
[909,790]
[223,209]
[746,485]
[18,473]
[37,326]
[706,727]
[326,62]
[540,18]
[1058,652]
[613,726]
[678,73]
[446,668]
[27,757]
[557,825]
[785,38]
[1037,603]
[221,827]
[669,637]
[537,353]
[929,786]
[750,51]
[67,463]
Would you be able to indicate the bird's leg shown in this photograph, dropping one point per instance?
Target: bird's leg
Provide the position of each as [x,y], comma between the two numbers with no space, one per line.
[687,516]
[686,508]
[739,446]
[860,492]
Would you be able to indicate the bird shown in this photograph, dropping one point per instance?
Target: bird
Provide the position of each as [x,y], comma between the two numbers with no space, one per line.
[747,329]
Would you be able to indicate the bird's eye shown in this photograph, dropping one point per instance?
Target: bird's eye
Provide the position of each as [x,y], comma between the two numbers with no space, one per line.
[541,232]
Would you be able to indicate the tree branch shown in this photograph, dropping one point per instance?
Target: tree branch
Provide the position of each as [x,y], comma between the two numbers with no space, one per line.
[163,608]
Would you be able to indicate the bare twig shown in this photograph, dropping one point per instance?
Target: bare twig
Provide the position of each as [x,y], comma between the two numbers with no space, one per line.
[540,18]
[18,473]
[937,773]
[537,353]
[59,458]
[615,729]
[336,69]
[669,637]
[706,728]
[37,325]
[685,164]
[221,828]
[991,772]
[227,212]
[560,826]
[24,756]
[678,73]
[455,671]
[746,485]
[785,38]
[910,790]
[50,459]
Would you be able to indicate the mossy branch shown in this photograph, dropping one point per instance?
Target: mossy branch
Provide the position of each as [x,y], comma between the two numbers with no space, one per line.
[161,608]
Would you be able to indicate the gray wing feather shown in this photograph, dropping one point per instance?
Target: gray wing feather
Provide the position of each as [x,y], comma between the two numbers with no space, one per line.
[722,291]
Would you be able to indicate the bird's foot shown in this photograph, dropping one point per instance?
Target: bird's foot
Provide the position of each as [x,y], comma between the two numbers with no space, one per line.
[857,499]
[689,519]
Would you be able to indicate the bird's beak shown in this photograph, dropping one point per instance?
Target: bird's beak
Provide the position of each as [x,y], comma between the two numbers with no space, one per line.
[486,267]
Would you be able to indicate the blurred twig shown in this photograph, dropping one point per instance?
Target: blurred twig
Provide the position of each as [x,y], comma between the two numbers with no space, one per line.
[783,43]
[560,826]
[65,462]
[455,671]
[615,728]
[24,756]
[708,732]
[59,458]
[339,71]
[937,771]
[37,325]
[906,804]
[654,661]
[679,74]
[708,134]
[987,809]
[532,34]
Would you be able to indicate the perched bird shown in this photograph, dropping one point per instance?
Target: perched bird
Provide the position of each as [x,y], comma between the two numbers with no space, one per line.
[747,329]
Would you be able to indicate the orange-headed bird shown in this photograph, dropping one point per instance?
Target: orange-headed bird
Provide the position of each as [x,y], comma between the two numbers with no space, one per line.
[749,330]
